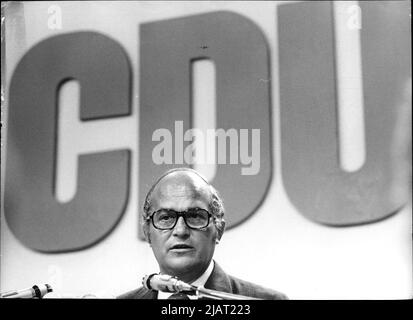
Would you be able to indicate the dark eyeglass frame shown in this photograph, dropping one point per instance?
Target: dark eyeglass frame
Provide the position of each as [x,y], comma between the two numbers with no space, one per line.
[180,214]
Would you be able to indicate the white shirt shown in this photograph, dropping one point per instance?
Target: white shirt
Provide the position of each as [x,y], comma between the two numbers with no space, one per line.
[198,282]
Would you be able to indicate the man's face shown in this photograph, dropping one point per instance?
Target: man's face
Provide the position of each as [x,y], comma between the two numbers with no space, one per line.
[182,252]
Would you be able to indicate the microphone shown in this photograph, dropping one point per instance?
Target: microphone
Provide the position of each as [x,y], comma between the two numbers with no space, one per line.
[29,293]
[166,283]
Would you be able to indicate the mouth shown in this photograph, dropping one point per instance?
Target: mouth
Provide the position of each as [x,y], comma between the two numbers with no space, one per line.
[181,247]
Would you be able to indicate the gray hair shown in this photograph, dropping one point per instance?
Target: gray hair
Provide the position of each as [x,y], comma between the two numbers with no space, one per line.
[216,205]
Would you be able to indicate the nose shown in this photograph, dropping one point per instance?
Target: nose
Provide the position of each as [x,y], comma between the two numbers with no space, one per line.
[181,229]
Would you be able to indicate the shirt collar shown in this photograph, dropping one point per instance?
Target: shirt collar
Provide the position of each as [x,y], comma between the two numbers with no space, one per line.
[198,282]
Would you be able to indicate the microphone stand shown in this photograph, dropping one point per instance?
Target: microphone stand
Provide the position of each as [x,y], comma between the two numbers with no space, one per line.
[202,292]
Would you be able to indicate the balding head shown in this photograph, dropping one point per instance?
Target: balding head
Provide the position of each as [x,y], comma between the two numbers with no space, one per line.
[182,186]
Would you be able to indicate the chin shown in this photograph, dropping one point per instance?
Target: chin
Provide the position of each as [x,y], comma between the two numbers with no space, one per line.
[183,264]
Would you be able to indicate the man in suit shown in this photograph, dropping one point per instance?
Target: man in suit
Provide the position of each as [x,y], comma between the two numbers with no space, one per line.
[183,220]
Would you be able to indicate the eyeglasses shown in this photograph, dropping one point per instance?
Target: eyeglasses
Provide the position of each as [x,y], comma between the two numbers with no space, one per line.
[166,219]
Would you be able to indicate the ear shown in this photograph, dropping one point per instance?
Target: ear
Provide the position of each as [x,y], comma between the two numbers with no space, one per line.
[145,228]
[221,230]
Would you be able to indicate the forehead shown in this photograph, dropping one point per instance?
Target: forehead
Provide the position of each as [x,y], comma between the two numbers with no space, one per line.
[181,190]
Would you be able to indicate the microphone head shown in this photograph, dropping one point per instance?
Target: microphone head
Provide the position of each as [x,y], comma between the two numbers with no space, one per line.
[146,281]
[41,290]
[165,283]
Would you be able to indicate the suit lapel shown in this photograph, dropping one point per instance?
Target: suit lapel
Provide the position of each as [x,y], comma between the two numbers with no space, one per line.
[146,294]
[218,280]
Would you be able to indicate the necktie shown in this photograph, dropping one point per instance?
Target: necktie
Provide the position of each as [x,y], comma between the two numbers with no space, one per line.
[179,296]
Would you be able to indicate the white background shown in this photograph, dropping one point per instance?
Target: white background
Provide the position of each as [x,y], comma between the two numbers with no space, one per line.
[277,247]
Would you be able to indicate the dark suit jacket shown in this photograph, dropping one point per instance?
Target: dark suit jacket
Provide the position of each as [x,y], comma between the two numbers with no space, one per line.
[220,281]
